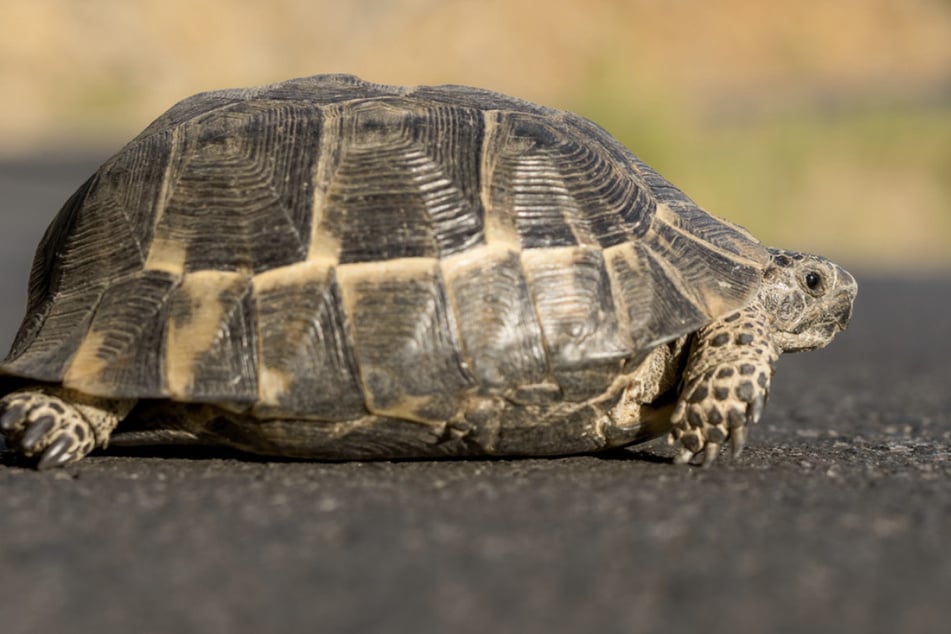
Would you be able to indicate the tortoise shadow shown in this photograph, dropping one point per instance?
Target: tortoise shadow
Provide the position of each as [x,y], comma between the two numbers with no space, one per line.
[632,455]
[199,453]
[208,452]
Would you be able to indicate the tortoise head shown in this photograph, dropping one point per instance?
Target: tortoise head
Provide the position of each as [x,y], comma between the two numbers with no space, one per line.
[808,298]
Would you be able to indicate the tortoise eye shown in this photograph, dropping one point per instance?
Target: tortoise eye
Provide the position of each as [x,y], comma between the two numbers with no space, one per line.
[813,281]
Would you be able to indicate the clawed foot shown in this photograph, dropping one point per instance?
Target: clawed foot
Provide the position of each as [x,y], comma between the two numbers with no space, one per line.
[715,407]
[44,425]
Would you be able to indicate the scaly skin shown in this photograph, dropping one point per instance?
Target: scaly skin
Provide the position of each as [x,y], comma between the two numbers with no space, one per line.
[57,424]
[804,301]
[725,385]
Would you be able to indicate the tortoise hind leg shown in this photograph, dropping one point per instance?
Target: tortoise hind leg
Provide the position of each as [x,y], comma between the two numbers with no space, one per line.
[57,424]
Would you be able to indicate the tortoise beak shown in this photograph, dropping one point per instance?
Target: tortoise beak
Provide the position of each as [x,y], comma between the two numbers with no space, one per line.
[843,316]
[846,290]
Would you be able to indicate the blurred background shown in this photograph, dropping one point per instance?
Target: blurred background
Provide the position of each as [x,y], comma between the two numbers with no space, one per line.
[822,125]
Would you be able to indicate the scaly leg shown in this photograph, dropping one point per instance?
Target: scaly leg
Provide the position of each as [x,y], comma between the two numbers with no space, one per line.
[725,385]
[57,424]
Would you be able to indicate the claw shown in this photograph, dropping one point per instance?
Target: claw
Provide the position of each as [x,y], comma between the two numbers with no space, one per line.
[710,452]
[756,408]
[36,431]
[737,441]
[11,418]
[684,457]
[57,454]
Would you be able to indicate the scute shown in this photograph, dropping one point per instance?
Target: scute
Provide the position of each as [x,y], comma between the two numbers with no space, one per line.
[306,362]
[238,196]
[562,190]
[121,352]
[326,248]
[404,339]
[404,172]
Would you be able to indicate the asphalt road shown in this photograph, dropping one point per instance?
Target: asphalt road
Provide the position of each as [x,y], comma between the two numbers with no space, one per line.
[836,519]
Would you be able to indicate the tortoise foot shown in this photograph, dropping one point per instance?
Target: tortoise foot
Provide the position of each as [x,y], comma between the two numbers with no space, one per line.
[716,407]
[58,424]
[39,424]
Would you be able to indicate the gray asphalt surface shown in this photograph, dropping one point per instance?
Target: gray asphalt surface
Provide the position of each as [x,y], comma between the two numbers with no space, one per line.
[836,519]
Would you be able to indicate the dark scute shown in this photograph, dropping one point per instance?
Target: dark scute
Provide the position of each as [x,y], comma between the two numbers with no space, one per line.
[673,310]
[633,283]
[404,181]
[586,129]
[131,320]
[406,347]
[500,333]
[46,278]
[99,236]
[241,187]
[527,187]
[626,191]
[704,270]
[651,295]
[562,189]
[195,106]
[50,335]
[577,311]
[637,212]
[304,336]
[103,230]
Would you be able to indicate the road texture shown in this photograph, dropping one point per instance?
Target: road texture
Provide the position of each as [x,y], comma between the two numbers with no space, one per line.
[836,519]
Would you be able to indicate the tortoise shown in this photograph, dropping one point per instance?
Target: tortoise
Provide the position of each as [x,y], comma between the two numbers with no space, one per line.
[333,269]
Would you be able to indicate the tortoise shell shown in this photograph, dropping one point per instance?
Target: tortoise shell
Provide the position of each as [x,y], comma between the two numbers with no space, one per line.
[326,247]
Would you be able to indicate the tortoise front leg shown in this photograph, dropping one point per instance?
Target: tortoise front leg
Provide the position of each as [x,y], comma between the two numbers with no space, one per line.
[57,424]
[725,385]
